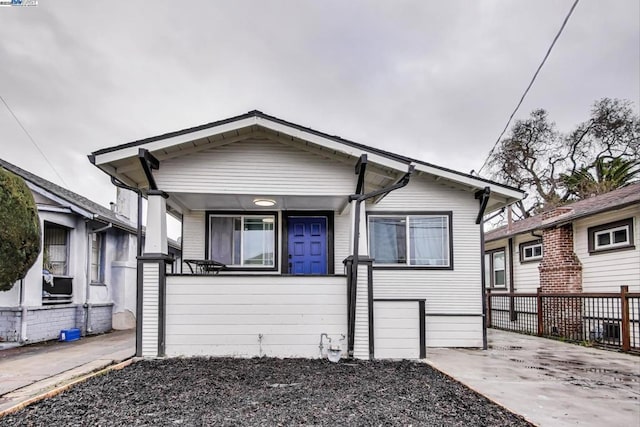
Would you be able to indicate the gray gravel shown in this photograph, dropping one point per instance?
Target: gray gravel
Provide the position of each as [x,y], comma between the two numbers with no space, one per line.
[267,392]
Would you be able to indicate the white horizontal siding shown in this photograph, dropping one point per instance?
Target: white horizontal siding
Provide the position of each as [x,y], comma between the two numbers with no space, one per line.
[453,331]
[606,272]
[423,194]
[361,332]
[526,274]
[253,316]
[256,166]
[341,240]
[150,278]
[396,330]
[457,291]
[193,237]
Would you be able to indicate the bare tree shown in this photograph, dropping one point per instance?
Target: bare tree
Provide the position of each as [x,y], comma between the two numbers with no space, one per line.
[557,168]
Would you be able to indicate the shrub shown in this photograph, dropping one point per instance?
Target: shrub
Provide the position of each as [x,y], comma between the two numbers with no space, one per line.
[19,229]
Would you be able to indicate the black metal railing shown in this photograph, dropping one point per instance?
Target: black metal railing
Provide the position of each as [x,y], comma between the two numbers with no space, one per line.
[608,320]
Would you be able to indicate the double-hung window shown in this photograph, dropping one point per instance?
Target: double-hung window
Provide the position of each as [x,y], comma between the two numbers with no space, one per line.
[97,275]
[56,249]
[495,269]
[422,240]
[247,241]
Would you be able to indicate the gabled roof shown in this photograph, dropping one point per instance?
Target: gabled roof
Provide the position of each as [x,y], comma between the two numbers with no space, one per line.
[106,158]
[77,203]
[613,200]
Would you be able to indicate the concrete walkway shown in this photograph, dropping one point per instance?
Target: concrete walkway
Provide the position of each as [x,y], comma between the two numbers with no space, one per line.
[34,369]
[550,383]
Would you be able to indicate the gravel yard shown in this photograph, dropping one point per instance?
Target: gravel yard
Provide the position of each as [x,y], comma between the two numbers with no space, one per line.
[269,392]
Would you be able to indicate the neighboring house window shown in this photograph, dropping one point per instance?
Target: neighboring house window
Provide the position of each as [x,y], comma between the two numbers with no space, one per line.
[531,251]
[611,236]
[243,240]
[97,271]
[56,249]
[495,271]
[411,240]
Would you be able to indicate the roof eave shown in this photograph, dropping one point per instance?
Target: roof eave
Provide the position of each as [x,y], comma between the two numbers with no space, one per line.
[566,220]
[102,158]
[62,201]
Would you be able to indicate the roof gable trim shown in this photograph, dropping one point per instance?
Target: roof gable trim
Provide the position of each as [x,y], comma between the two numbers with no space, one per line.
[384,158]
[62,202]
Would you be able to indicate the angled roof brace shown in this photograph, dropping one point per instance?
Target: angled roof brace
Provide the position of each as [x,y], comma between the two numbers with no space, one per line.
[355,258]
[361,168]
[483,195]
[148,162]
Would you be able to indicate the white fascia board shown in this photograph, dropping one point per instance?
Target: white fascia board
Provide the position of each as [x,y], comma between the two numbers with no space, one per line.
[175,140]
[65,203]
[56,209]
[472,182]
[331,144]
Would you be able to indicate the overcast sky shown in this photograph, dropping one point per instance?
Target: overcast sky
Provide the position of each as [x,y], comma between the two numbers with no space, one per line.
[434,80]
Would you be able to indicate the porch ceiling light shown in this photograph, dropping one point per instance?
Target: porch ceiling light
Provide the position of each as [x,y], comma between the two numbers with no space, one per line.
[264,202]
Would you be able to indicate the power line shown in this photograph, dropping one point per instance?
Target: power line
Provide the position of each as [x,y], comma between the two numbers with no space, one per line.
[32,140]
[533,79]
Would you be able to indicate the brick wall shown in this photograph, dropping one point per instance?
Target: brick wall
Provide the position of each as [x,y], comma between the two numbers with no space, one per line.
[45,323]
[9,325]
[560,272]
[560,268]
[100,319]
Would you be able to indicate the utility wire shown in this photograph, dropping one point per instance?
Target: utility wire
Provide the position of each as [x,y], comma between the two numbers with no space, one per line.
[533,79]
[33,141]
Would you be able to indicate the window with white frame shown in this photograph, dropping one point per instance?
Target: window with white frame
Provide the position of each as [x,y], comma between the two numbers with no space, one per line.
[247,241]
[56,249]
[611,236]
[531,251]
[97,275]
[495,269]
[422,240]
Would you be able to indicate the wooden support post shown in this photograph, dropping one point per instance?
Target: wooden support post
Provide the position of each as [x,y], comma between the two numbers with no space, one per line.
[489,320]
[626,324]
[540,314]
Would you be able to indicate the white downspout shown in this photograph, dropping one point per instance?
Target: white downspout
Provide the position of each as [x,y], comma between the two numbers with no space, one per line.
[87,304]
[23,307]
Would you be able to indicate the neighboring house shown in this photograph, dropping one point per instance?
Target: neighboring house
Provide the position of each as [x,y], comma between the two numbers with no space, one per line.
[586,246]
[85,276]
[316,241]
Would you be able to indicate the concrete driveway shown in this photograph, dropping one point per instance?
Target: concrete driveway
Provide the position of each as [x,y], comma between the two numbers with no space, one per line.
[550,383]
[33,369]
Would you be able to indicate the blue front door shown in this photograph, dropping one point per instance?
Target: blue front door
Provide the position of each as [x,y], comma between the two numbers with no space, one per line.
[307,244]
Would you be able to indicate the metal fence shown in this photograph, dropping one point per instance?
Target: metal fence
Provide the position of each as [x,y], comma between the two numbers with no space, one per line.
[608,320]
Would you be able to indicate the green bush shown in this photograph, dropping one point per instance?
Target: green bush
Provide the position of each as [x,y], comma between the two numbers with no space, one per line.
[19,229]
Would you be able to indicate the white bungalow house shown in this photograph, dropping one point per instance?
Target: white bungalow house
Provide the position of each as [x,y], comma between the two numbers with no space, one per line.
[295,241]
[85,276]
